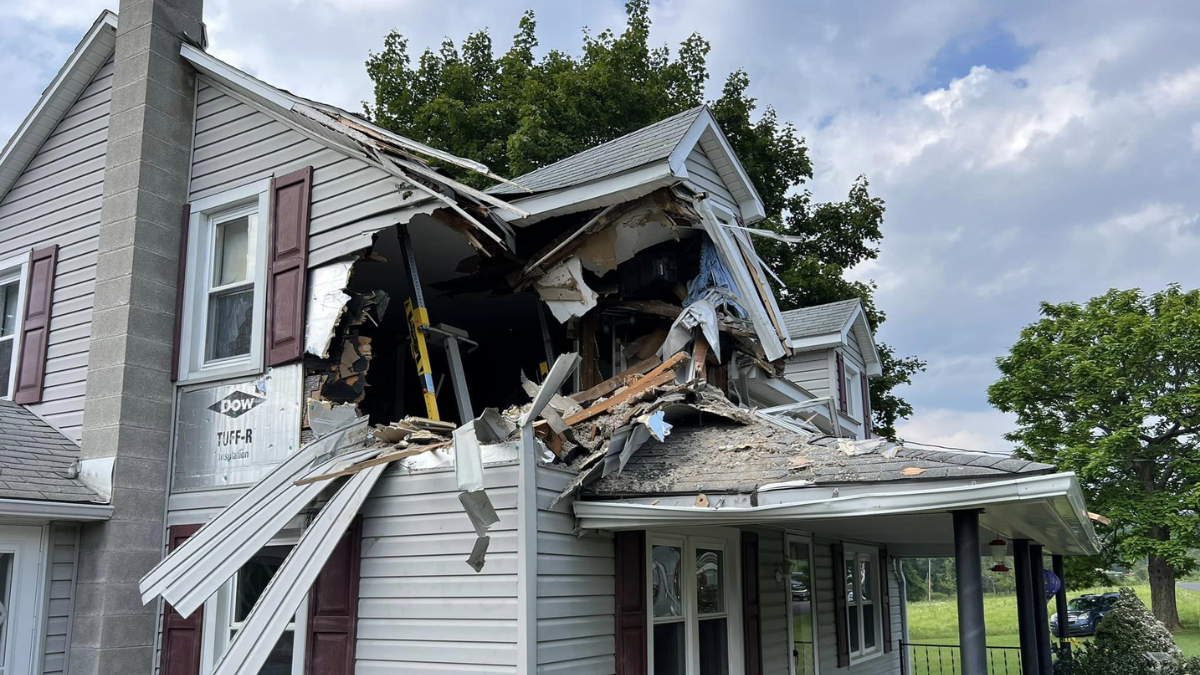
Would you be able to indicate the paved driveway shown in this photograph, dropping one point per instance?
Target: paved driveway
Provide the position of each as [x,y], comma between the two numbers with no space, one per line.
[1190,585]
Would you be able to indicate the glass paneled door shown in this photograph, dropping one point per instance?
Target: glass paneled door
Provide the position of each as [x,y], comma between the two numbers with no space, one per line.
[20,611]
[801,605]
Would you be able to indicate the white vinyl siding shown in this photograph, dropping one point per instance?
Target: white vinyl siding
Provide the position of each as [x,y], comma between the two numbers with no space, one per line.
[810,370]
[884,664]
[576,588]
[237,144]
[422,609]
[702,172]
[60,596]
[57,200]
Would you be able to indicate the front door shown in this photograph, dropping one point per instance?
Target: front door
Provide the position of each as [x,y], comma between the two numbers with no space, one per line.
[20,611]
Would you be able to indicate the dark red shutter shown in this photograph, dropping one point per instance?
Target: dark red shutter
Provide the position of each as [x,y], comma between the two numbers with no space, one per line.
[630,552]
[751,605]
[865,386]
[841,382]
[35,329]
[333,609]
[885,599]
[839,606]
[179,283]
[291,199]
[181,638]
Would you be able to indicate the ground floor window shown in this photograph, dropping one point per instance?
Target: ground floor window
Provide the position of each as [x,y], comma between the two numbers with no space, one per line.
[802,605]
[694,605]
[227,611]
[864,625]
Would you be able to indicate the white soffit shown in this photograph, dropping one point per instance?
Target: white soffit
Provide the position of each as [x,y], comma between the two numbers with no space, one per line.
[1065,519]
[207,559]
[278,604]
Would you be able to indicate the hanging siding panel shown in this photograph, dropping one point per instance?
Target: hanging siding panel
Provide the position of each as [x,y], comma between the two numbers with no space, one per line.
[576,588]
[236,144]
[422,609]
[60,605]
[57,200]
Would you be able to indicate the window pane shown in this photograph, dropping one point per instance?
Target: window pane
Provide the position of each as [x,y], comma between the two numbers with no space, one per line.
[279,661]
[866,579]
[868,627]
[668,649]
[710,581]
[9,295]
[231,252]
[668,595]
[6,348]
[230,322]
[6,564]
[253,577]
[850,594]
[802,614]
[852,613]
[714,647]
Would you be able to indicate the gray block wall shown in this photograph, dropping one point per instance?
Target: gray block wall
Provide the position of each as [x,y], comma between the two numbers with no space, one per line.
[127,411]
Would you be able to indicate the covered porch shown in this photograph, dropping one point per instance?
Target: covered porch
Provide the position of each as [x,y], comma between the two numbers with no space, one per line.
[811,571]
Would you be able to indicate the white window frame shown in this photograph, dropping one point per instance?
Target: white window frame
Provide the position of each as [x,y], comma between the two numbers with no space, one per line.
[853,395]
[856,553]
[15,268]
[806,539]
[218,621]
[727,540]
[206,213]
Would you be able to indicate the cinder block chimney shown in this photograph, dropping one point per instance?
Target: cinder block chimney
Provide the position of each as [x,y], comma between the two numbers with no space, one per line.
[127,414]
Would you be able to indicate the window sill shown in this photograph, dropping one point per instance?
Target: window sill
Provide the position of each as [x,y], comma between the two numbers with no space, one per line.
[231,373]
[869,656]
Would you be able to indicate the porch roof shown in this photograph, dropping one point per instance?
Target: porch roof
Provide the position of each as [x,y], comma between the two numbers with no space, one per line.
[36,460]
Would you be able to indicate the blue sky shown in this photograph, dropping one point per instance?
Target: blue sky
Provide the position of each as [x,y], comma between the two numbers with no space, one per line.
[1027,151]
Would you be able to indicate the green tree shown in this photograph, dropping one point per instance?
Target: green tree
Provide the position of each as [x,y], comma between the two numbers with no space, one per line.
[517,112]
[1111,390]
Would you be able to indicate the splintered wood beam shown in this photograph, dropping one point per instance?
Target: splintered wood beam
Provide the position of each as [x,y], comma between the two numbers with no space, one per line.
[661,375]
[700,357]
[616,381]
[382,459]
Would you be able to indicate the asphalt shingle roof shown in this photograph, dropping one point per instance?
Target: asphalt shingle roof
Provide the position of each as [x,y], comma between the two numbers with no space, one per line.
[819,320]
[726,457]
[646,145]
[34,458]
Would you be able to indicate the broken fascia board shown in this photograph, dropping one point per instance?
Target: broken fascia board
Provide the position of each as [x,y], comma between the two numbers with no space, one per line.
[326,303]
[772,304]
[393,167]
[736,264]
[230,522]
[277,606]
[748,250]
[566,276]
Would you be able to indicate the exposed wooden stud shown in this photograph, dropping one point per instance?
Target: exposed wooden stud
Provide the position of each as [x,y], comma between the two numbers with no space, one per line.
[699,358]
[657,377]
[616,381]
[382,459]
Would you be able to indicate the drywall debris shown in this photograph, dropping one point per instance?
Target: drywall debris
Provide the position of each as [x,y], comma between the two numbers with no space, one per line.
[478,552]
[345,379]
[702,501]
[912,471]
[565,292]
[326,303]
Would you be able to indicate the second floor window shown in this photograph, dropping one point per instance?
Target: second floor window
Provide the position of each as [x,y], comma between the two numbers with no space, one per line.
[10,319]
[231,285]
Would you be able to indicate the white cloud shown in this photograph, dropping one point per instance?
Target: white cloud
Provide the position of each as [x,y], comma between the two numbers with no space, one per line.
[964,430]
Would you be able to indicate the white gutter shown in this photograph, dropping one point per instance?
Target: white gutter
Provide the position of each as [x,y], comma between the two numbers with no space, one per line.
[920,499]
[46,510]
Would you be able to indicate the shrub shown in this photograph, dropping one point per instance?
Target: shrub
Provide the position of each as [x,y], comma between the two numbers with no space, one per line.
[1128,633]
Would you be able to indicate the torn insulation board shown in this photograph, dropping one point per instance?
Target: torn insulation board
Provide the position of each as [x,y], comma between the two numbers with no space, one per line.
[326,302]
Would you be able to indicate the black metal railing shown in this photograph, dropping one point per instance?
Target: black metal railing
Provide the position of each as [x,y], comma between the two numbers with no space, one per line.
[935,659]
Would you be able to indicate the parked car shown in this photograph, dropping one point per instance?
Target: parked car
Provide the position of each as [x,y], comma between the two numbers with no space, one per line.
[799,591]
[1084,613]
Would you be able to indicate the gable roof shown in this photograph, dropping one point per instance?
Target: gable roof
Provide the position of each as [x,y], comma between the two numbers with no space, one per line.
[75,75]
[825,326]
[35,458]
[648,144]
[634,165]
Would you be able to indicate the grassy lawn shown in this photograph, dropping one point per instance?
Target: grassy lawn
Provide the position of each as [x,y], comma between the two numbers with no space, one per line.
[937,623]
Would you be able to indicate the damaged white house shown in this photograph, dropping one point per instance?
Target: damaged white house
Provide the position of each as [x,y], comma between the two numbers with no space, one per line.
[287,398]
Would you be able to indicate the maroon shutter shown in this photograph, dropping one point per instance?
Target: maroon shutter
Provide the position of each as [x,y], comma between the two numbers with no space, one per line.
[839,606]
[751,605]
[841,381]
[35,329]
[181,638]
[885,600]
[291,197]
[630,551]
[180,278]
[865,386]
[333,609]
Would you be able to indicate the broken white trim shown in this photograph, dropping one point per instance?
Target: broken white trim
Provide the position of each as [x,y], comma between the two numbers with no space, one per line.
[752,209]
[287,589]
[97,473]
[1060,493]
[565,292]
[622,187]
